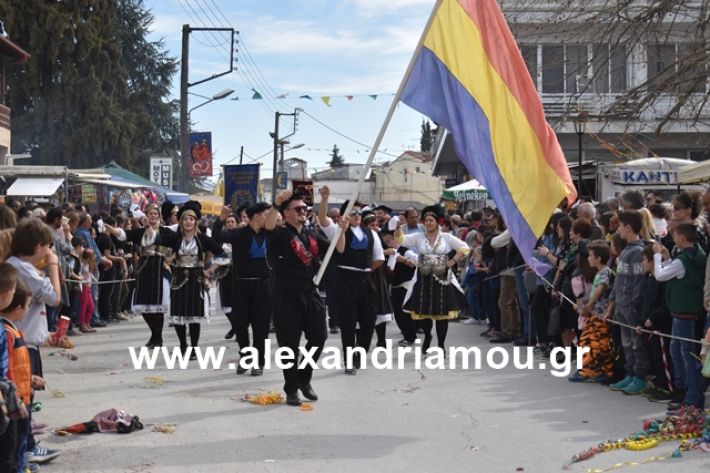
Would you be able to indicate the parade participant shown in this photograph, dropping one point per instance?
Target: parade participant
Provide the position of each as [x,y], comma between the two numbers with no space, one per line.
[225,296]
[384,312]
[189,296]
[292,253]
[252,281]
[401,264]
[435,294]
[154,246]
[383,214]
[169,212]
[358,248]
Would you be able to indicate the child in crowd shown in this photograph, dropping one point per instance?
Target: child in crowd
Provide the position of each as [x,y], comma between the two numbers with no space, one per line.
[30,250]
[656,317]
[598,363]
[19,372]
[88,266]
[74,278]
[685,276]
[627,295]
[8,281]
[473,282]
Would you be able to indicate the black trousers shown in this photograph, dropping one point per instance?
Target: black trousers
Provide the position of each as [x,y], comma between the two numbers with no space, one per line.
[296,312]
[541,306]
[106,311]
[403,319]
[9,445]
[253,308]
[356,307]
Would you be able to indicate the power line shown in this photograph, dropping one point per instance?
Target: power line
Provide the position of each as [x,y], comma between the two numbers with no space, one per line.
[196,16]
[248,66]
[344,135]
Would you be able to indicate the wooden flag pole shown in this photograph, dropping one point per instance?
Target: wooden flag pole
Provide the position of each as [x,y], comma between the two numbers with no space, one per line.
[378,141]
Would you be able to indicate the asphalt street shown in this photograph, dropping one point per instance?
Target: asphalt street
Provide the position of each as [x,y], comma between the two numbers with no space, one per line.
[395,420]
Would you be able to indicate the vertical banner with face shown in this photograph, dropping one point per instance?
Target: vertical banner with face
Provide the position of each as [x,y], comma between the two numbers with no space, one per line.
[241,184]
[200,160]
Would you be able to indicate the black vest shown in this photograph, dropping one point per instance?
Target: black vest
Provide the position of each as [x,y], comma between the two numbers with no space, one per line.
[361,259]
[401,273]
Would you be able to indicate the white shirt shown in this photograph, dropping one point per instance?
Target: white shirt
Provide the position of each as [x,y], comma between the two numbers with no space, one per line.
[501,240]
[378,253]
[668,270]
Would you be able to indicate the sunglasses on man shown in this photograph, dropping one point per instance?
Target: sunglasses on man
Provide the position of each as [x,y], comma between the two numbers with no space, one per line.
[300,209]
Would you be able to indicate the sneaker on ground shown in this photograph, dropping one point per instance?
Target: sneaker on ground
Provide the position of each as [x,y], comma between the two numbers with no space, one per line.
[621,385]
[635,386]
[122,316]
[470,321]
[41,455]
[661,395]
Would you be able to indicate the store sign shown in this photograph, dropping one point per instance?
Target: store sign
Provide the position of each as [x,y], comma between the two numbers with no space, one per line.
[644,177]
[88,194]
[161,171]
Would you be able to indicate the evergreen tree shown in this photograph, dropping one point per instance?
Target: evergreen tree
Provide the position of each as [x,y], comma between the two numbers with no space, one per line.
[426,137]
[93,89]
[336,159]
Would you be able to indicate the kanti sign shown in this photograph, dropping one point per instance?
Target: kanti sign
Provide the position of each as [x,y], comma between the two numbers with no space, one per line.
[644,177]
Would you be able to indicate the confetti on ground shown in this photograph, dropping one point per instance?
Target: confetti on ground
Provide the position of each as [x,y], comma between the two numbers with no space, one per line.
[155,380]
[306,407]
[57,393]
[164,428]
[263,399]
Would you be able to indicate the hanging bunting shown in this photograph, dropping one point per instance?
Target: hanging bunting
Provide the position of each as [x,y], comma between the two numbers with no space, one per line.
[305,97]
[326,100]
[374,97]
[256,95]
[282,96]
[349,97]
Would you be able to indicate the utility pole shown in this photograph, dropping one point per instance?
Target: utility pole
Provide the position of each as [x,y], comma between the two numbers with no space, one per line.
[276,156]
[184,125]
[185,84]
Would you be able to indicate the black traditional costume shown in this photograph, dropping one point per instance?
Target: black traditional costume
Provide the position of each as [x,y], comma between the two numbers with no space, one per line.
[252,282]
[152,290]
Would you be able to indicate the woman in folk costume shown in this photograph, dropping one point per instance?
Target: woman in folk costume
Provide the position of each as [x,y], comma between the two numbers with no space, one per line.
[154,247]
[383,305]
[225,291]
[189,297]
[435,294]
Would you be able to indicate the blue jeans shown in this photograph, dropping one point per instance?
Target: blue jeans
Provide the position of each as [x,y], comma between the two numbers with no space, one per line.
[523,300]
[687,368]
[475,307]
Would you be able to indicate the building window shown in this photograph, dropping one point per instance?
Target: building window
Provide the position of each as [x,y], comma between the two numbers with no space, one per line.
[668,60]
[578,68]
[553,69]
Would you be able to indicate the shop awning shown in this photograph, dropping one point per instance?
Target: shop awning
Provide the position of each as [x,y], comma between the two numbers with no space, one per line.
[35,186]
[470,190]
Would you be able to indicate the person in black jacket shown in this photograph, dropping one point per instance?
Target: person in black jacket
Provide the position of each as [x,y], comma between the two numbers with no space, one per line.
[251,280]
[656,317]
[292,254]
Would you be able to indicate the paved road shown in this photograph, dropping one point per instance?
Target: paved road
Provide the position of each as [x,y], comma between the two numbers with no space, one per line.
[395,421]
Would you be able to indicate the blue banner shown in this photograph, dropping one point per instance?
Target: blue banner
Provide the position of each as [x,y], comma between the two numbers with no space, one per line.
[241,184]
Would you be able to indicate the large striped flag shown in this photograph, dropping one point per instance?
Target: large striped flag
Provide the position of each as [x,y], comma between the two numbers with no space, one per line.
[470,77]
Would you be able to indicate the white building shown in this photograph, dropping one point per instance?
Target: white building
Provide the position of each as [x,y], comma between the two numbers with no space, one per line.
[580,69]
[342,181]
[408,181]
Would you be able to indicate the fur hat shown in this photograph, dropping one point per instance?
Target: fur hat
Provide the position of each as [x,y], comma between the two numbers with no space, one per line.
[434,210]
[167,209]
[191,205]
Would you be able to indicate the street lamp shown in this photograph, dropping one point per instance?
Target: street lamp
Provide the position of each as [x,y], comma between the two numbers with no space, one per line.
[218,96]
[580,127]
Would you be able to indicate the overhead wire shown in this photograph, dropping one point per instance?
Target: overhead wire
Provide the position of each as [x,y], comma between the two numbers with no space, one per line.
[218,43]
[247,56]
[201,22]
[254,82]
